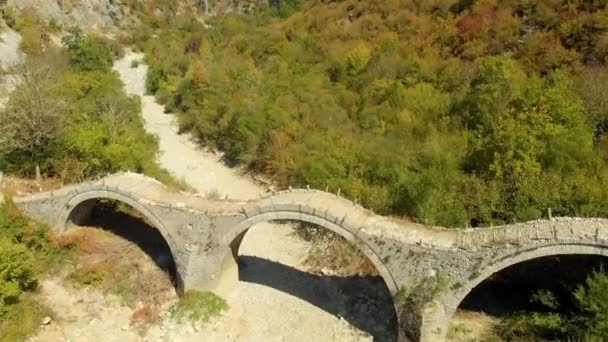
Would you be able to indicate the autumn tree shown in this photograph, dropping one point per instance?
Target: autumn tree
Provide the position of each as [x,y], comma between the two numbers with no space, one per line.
[33,117]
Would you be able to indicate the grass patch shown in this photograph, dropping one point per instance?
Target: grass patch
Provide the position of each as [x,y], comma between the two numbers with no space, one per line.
[88,276]
[116,266]
[144,317]
[23,318]
[27,251]
[197,306]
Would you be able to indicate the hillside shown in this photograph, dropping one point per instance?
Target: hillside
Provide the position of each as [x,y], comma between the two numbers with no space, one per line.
[458,113]
[115,16]
[455,113]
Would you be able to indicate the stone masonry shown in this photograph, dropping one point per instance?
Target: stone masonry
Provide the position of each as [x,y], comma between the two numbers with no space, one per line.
[428,270]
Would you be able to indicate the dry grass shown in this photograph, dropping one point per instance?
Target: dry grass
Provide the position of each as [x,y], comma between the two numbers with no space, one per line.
[117,266]
[469,326]
[144,317]
[20,186]
[331,253]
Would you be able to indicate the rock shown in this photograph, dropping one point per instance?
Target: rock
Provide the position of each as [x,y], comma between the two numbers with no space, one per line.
[46,321]
[326,271]
[125,328]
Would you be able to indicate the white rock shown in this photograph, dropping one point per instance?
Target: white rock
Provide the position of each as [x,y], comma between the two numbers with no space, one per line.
[46,321]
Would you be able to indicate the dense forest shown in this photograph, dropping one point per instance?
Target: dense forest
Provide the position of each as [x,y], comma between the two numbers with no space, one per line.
[456,113]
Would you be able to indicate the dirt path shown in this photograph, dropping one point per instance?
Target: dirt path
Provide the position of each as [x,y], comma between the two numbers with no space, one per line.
[203,170]
[270,253]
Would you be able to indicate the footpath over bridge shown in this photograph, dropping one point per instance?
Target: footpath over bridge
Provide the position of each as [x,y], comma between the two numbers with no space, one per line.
[428,270]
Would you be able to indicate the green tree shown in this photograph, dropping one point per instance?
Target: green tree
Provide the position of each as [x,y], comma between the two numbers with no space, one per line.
[592,297]
[87,52]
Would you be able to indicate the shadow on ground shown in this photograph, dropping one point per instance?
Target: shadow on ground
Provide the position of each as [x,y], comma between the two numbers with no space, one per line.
[364,302]
[125,223]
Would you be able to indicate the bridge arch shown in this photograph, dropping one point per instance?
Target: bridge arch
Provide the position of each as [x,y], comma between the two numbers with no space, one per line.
[235,236]
[441,319]
[79,206]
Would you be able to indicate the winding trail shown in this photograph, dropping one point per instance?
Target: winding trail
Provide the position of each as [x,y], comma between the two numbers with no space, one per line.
[257,313]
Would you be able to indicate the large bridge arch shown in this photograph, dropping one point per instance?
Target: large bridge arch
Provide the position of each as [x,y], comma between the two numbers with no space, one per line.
[78,207]
[438,319]
[234,237]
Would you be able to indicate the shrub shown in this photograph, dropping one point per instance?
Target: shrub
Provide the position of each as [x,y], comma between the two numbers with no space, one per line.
[54,25]
[24,253]
[16,273]
[89,275]
[197,306]
[87,52]
[23,318]
[592,297]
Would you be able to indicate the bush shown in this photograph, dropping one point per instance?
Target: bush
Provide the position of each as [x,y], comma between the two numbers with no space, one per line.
[24,254]
[33,30]
[91,275]
[586,322]
[592,297]
[197,306]
[54,25]
[16,273]
[23,318]
[87,52]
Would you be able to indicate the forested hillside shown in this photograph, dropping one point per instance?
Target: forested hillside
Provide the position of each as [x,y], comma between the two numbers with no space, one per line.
[69,116]
[448,112]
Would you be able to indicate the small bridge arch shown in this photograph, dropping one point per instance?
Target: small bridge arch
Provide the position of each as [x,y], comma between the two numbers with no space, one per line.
[441,319]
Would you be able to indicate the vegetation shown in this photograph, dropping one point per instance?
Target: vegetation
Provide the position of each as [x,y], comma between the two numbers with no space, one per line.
[449,112]
[108,262]
[546,299]
[26,251]
[197,306]
[331,252]
[586,323]
[69,116]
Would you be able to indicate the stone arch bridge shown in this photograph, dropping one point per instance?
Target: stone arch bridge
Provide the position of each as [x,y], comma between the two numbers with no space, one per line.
[428,270]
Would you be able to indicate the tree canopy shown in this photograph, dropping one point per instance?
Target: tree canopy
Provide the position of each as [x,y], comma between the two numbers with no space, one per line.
[449,112]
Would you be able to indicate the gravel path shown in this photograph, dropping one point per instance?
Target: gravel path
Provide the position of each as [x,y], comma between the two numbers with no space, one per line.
[179,153]
[270,253]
